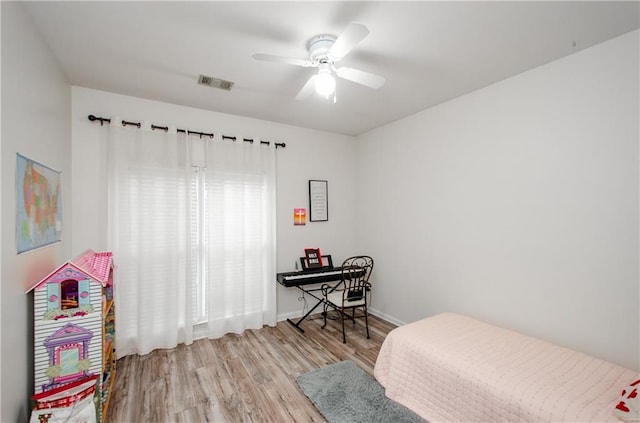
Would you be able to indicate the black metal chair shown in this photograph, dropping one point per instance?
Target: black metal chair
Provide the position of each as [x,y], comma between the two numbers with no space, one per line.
[353,292]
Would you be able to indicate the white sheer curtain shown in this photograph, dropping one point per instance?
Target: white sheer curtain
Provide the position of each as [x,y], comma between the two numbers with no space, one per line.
[192,228]
[149,222]
[241,234]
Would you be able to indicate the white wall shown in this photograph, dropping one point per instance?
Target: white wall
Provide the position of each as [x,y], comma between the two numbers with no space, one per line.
[516,204]
[36,106]
[309,154]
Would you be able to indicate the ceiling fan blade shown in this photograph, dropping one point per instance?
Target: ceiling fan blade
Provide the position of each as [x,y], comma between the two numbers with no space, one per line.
[352,35]
[308,88]
[280,59]
[361,77]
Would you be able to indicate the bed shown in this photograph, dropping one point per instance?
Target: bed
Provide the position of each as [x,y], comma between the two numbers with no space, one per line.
[452,368]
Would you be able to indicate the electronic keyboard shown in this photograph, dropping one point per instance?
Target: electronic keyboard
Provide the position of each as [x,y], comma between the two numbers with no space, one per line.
[311,276]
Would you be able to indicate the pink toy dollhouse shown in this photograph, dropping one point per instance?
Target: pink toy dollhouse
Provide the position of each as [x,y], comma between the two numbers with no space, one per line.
[74,325]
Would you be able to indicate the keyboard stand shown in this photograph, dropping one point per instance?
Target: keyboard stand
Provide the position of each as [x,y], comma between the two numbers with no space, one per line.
[312,293]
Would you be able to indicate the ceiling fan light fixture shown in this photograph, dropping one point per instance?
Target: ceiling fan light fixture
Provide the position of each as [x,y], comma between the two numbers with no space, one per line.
[325,83]
[324,51]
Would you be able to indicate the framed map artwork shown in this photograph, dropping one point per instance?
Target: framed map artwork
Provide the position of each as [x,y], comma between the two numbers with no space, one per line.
[38,205]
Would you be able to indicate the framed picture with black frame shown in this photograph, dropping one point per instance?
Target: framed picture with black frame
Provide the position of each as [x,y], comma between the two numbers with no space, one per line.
[318,202]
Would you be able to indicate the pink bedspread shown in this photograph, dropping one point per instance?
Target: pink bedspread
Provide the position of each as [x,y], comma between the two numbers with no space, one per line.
[452,368]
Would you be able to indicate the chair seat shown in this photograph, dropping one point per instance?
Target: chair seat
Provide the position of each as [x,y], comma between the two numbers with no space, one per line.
[335,298]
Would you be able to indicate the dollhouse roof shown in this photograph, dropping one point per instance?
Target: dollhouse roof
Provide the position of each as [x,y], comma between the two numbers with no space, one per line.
[96,266]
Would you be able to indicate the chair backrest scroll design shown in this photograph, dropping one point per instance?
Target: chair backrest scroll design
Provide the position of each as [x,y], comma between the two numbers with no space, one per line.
[355,276]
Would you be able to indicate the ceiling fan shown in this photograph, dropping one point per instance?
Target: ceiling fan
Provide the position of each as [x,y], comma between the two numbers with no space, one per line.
[324,52]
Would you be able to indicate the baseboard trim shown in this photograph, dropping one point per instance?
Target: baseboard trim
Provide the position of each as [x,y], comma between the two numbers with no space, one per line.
[386,317]
[292,315]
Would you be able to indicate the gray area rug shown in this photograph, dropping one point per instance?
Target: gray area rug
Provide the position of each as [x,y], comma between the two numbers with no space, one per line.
[344,393]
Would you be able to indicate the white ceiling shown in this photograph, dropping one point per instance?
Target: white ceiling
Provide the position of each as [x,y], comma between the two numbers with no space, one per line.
[429,52]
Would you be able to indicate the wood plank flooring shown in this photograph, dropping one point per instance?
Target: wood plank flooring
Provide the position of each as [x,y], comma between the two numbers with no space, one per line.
[239,378]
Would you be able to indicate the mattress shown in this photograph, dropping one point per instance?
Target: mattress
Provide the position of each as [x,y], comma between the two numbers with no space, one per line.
[452,368]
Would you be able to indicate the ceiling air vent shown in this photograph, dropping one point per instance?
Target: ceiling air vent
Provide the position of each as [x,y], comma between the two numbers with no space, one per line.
[215,82]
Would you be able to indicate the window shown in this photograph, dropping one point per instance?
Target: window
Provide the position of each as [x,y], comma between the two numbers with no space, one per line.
[69,294]
[192,223]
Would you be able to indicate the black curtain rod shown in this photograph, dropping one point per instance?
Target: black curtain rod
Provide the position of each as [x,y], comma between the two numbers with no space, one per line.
[136,124]
[102,120]
[201,134]
[164,128]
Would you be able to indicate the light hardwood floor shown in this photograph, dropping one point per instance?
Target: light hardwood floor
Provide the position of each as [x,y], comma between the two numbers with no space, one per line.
[239,378]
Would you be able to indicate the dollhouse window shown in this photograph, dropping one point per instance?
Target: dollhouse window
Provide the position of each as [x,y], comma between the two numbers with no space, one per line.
[69,294]
[68,357]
